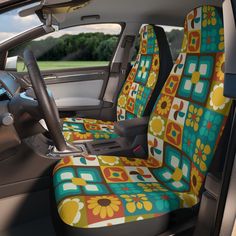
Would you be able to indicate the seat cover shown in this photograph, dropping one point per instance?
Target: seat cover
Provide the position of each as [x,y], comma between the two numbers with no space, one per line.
[184,129]
[134,98]
[142,79]
[84,130]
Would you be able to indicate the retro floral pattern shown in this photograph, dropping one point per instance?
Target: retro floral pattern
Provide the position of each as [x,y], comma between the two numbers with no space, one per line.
[84,130]
[142,81]
[184,130]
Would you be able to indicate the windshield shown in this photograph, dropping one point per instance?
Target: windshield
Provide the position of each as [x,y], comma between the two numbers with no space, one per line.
[11,24]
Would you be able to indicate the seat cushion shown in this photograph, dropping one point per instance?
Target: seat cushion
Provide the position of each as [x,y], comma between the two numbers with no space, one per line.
[97,191]
[83,130]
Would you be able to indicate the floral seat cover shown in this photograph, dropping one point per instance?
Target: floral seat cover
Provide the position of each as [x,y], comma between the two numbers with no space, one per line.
[184,129]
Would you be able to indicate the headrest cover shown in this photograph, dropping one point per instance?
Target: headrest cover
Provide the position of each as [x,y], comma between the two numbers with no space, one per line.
[148,40]
[203,31]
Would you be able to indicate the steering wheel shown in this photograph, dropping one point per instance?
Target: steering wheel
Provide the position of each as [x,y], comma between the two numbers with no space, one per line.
[46,101]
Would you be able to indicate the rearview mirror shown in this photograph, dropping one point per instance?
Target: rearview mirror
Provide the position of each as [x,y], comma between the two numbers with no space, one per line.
[15,64]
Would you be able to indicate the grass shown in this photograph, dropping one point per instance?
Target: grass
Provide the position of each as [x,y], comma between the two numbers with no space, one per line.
[55,65]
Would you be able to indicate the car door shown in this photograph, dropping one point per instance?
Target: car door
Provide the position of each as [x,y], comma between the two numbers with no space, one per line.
[75,63]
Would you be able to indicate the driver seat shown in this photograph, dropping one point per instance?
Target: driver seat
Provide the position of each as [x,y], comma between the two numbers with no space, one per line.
[111,195]
[137,97]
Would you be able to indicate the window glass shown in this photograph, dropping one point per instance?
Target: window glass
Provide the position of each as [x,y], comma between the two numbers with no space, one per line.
[80,46]
[11,24]
[175,37]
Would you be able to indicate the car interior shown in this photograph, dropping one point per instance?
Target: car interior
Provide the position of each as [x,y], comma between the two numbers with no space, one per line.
[117,118]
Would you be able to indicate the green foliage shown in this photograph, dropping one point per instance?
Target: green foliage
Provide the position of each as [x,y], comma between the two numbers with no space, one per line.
[81,47]
[86,47]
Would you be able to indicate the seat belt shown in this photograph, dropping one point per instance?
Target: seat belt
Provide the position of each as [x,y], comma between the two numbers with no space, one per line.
[127,44]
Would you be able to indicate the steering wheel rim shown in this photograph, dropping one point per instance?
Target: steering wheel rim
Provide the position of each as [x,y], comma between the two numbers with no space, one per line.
[46,102]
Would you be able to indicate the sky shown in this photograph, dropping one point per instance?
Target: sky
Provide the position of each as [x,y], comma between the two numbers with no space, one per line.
[12,24]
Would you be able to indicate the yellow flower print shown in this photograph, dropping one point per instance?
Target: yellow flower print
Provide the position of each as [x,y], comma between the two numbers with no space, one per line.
[185,43]
[122,101]
[67,136]
[163,105]
[196,181]
[157,126]
[109,160]
[209,16]
[188,199]
[152,79]
[104,206]
[127,87]
[221,45]
[81,136]
[152,187]
[155,63]
[101,136]
[150,31]
[137,201]
[69,210]
[220,64]
[194,116]
[90,121]
[132,161]
[217,99]
[200,155]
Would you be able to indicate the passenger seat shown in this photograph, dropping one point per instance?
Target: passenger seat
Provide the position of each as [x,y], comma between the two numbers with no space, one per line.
[139,93]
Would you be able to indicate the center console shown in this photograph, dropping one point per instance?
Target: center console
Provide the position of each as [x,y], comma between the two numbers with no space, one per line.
[132,142]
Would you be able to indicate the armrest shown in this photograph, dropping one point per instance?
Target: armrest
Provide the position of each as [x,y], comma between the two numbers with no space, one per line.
[133,127]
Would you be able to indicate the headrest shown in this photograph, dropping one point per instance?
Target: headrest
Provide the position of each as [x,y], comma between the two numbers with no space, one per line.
[203,31]
[148,40]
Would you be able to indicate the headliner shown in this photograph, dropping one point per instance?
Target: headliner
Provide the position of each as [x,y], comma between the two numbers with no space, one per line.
[162,12]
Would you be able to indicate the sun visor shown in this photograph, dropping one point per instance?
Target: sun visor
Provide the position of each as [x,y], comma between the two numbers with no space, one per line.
[58,8]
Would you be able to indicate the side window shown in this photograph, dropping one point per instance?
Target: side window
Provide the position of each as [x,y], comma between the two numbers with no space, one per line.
[80,46]
[175,37]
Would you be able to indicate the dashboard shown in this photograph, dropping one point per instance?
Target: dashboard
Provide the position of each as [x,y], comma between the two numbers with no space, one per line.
[8,86]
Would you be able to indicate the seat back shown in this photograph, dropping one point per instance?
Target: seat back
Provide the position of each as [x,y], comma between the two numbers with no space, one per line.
[141,84]
[190,113]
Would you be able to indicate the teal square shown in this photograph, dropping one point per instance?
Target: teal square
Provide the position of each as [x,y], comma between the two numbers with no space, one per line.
[68,174]
[161,174]
[152,45]
[63,191]
[125,188]
[191,65]
[173,161]
[207,64]
[169,152]
[185,87]
[90,175]
[203,95]
[210,126]
[75,127]
[130,116]
[165,202]
[95,189]
[189,141]
[142,76]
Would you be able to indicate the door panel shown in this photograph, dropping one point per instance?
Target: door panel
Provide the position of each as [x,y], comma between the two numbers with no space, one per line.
[76,94]
[78,90]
